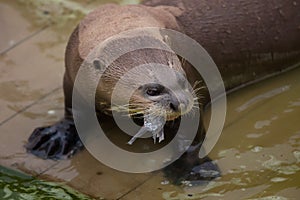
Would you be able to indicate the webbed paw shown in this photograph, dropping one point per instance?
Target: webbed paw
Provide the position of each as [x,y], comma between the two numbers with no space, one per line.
[59,141]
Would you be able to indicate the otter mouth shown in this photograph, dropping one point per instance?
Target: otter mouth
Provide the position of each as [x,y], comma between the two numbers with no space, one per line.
[183,110]
[154,116]
[169,115]
[155,105]
[168,112]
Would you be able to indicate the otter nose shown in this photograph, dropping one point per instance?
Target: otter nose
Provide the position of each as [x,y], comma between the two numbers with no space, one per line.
[174,106]
[177,107]
[177,104]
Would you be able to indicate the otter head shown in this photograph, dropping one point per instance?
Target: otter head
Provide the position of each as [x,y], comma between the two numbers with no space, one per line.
[154,88]
[147,80]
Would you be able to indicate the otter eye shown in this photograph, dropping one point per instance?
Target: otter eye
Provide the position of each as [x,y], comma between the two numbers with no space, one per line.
[153,91]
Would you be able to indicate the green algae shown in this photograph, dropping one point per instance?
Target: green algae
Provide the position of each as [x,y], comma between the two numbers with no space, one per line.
[16,185]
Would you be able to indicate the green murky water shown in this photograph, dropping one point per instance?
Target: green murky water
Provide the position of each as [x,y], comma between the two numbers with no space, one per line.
[15,185]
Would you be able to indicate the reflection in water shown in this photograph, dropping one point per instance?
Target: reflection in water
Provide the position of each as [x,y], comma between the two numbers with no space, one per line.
[263,96]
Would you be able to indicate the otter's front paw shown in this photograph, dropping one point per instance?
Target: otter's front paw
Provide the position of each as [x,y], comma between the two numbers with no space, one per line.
[199,172]
[59,141]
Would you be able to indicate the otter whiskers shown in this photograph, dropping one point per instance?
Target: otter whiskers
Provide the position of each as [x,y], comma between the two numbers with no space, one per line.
[129,109]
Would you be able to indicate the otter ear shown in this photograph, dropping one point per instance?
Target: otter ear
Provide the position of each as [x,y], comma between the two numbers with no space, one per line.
[98,65]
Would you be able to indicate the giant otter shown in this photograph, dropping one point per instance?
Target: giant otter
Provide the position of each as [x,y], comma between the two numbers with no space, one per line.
[247,39]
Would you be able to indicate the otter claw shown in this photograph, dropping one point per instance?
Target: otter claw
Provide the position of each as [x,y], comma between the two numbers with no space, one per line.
[59,141]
